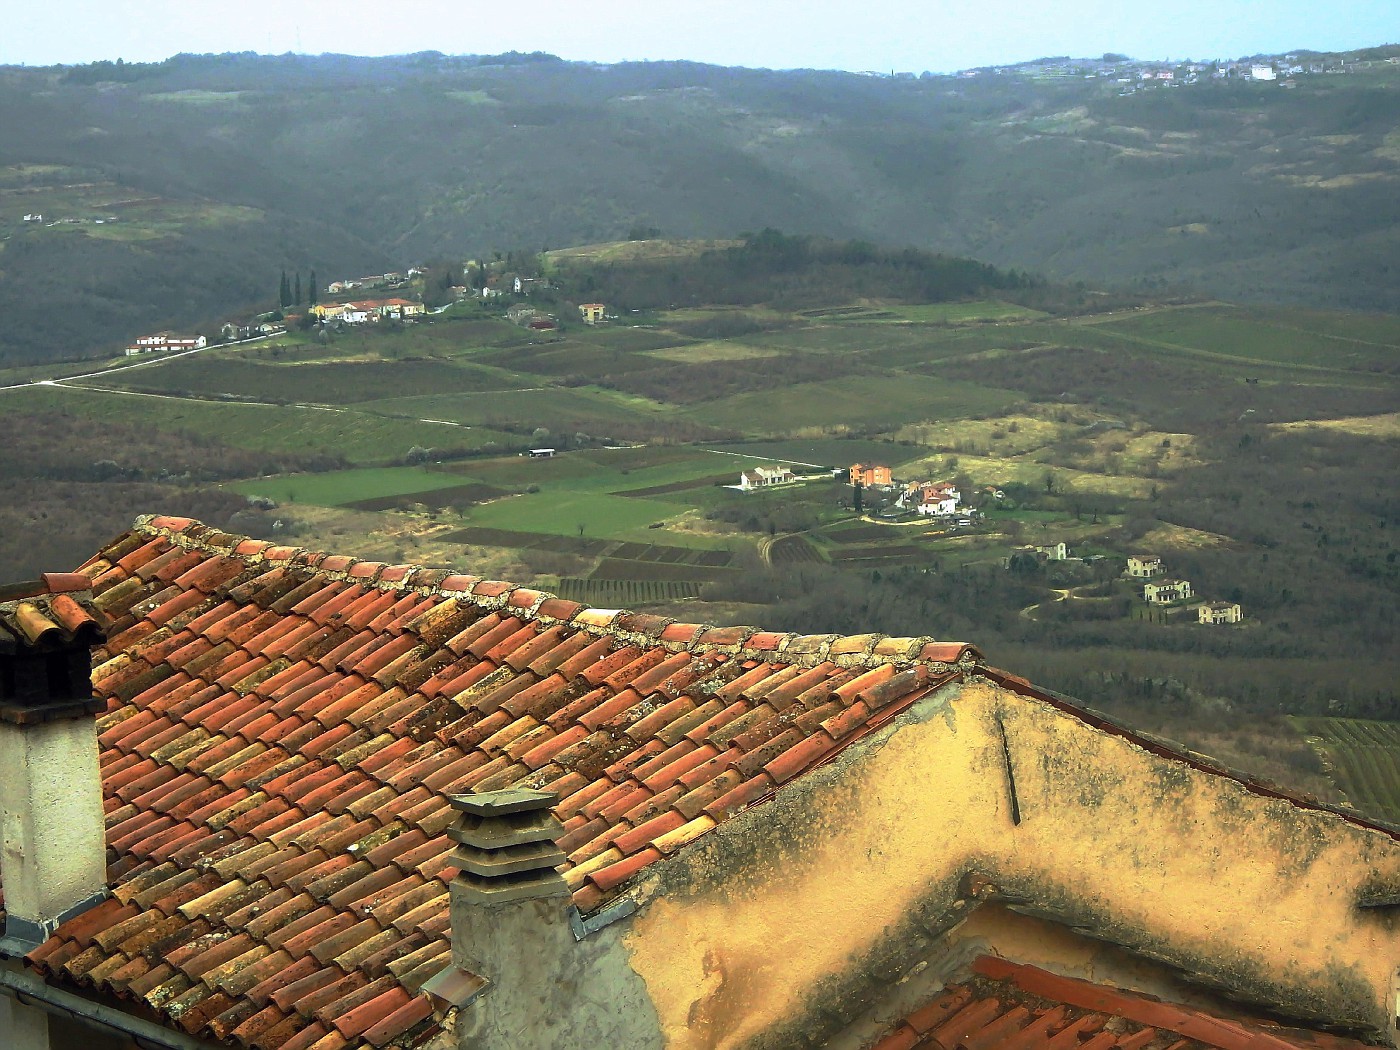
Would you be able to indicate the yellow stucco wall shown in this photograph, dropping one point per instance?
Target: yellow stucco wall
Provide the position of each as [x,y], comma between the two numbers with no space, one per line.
[763,927]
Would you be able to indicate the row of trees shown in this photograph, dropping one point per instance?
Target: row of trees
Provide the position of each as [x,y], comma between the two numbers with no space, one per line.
[290,293]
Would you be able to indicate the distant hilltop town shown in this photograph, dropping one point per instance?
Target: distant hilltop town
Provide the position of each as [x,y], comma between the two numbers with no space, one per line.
[1130,75]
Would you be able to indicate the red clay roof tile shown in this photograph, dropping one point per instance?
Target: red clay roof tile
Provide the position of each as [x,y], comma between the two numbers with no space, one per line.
[740,797]
[694,800]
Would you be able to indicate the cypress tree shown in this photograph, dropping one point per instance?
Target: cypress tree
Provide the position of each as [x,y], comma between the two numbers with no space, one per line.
[284,297]
[311,293]
[296,296]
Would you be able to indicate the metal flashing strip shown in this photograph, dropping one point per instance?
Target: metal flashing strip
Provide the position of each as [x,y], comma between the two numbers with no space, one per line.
[456,987]
[23,935]
[618,909]
[30,990]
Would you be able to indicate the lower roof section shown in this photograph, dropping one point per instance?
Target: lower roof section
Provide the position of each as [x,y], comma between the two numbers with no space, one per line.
[1006,1006]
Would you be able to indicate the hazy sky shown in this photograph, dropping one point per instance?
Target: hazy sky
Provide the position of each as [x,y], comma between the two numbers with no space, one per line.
[907,35]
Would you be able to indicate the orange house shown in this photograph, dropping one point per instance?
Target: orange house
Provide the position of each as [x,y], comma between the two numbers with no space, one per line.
[867,475]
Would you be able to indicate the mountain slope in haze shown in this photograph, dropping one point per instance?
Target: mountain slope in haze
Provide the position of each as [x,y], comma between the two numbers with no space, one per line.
[241,165]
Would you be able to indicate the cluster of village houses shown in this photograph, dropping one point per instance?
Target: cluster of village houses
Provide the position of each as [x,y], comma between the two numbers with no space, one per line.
[378,280]
[929,498]
[941,499]
[1164,591]
[366,311]
[1147,568]
[369,311]
[1136,75]
[166,342]
[37,218]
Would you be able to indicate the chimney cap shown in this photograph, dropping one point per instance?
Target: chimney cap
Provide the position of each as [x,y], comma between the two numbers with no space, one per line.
[502,803]
[46,641]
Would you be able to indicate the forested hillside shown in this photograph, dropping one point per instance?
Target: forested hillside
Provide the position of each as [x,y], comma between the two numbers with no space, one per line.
[211,173]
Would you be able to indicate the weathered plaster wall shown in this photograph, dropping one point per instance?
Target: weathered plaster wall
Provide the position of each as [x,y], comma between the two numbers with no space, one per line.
[788,921]
[548,990]
[55,842]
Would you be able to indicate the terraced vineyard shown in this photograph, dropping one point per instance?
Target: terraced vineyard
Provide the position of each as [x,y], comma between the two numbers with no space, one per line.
[1364,759]
[793,550]
[625,593]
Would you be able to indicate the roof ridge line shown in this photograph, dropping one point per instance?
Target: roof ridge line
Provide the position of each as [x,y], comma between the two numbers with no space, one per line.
[530,604]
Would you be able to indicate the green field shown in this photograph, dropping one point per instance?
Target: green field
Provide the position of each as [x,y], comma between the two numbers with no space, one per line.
[361,437]
[338,383]
[841,338]
[963,313]
[935,344]
[338,487]
[1364,759]
[561,513]
[554,408]
[1252,336]
[854,400]
[1382,329]
[603,470]
[632,340]
[832,452]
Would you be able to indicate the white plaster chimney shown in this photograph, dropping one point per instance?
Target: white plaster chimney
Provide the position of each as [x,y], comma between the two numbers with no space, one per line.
[53,859]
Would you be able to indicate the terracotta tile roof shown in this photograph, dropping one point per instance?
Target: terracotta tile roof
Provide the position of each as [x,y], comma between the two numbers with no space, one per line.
[1004,1005]
[282,730]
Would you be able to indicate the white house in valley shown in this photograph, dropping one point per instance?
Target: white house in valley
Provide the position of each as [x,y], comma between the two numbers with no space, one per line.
[148,344]
[1164,591]
[765,477]
[931,498]
[1220,612]
[1144,566]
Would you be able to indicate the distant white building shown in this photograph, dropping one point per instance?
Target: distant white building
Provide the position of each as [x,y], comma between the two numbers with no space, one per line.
[765,477]
[1262,72]
[1220,612]
[1164,591]
[149,344]
[1144,566]
[931,498]
[1043,552]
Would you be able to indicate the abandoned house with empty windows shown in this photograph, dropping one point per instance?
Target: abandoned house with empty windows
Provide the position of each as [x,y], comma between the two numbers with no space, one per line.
[265,797]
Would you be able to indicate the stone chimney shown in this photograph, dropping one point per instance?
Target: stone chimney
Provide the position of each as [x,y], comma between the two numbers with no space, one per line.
[54,854]
[511,932]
